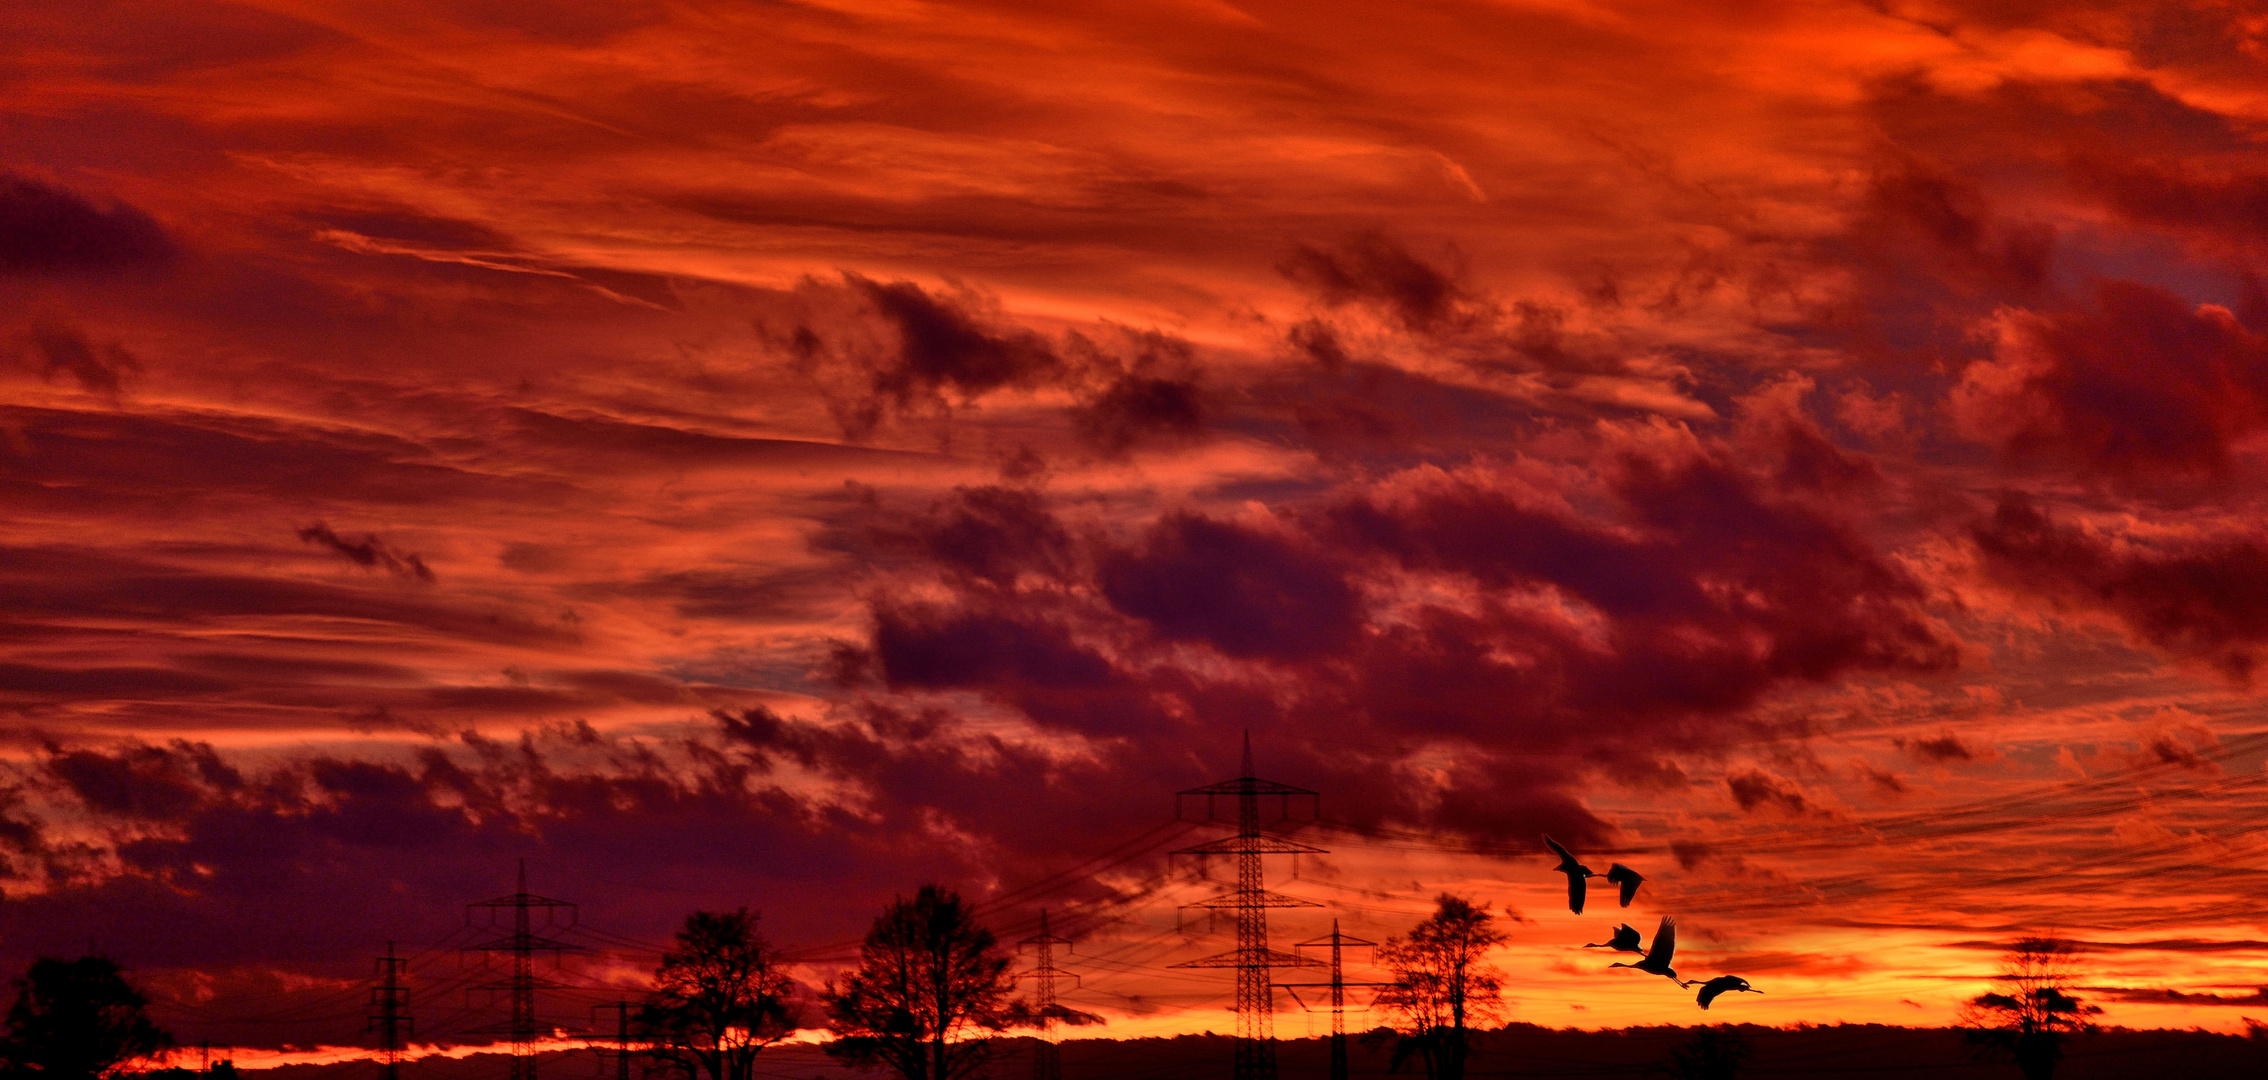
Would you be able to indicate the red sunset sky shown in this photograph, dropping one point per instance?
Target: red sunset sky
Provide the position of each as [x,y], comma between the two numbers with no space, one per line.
[783,453]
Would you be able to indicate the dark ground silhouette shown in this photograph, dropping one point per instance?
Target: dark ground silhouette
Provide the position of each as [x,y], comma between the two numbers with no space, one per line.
[1843,1050]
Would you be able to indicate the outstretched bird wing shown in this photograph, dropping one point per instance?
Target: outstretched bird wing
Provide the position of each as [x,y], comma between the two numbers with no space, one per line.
[1724,984]
[1563,854]
[1665,943]
[1577,885]
[1628,879]
[1625,937]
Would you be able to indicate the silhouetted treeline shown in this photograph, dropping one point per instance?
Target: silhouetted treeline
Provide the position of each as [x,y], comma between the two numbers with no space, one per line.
[1859,1051]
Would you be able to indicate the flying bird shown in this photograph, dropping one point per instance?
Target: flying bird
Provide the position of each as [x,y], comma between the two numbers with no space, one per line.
[1578,875]
[1722,983]
[1628,879]
[1657,961]
[1625,939]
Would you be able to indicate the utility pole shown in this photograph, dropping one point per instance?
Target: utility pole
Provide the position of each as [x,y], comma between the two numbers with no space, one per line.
[1250,899]
[1338,986]
[621,1051]
[1047,1062]
[523,943]
[389,1016]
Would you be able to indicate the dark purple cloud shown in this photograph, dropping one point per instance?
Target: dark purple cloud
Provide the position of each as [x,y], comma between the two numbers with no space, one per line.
[2221,206]
[1753,788]
[1921,219]
[60,349]
[2140,385]
[1375,269]
[1017,655]
[881,349]
[1135,409]
[993,534]
[2199,598]
[1249,593]
[1706,578]
[144,782]
[1815,592]
[369,552]
[1942,748]
[47,231]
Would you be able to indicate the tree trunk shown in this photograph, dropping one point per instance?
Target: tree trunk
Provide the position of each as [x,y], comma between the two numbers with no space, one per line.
[1453,1050]
[2037,1054]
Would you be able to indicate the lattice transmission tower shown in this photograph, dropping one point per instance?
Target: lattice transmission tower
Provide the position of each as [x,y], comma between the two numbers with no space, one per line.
[523,942]
[622,1054]
[389,1012]
[1337,943]
[1250,900]
[1047,1059]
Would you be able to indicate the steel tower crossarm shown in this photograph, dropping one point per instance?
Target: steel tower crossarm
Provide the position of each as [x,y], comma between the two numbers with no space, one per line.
[1250,899]
[522,942]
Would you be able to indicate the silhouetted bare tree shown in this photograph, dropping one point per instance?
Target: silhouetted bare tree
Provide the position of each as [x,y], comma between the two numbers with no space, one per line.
[1444,985]
[2031,1021]
[929,977]
[719,998]
[77,1020]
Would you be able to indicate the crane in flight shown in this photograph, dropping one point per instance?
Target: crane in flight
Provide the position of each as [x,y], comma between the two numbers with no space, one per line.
[1627,879]
[1713,988]
[1625,939]
[1657,961]
[1578,875]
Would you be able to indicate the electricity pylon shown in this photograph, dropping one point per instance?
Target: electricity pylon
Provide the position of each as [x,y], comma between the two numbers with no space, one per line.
[389,1016]
[523,943]
[1338,987]
[1047,1061]
[1250,899]
[621,1051]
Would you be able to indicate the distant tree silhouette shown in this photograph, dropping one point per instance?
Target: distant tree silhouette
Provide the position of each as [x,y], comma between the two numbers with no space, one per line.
[2031,1021]
[1444,985]
[77,1020]
[1714,1053]
[218,1070]
[720,997]
[929,976]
